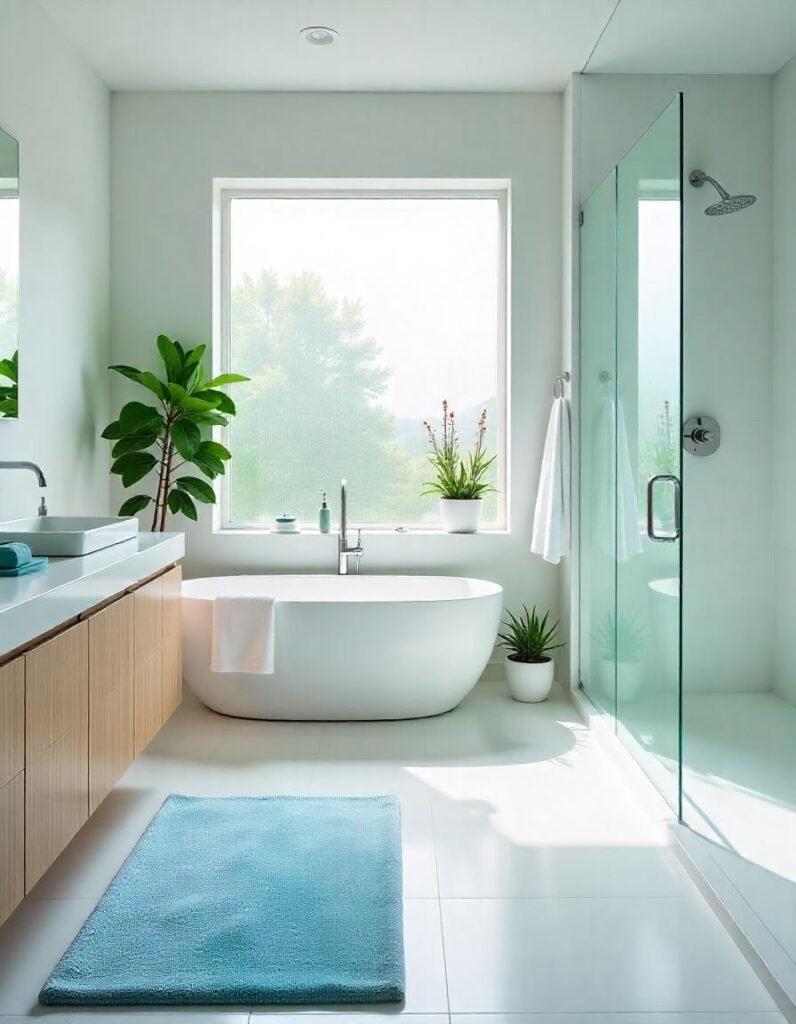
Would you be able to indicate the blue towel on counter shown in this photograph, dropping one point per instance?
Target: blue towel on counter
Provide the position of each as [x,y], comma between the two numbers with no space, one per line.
[14,553]
[21,570]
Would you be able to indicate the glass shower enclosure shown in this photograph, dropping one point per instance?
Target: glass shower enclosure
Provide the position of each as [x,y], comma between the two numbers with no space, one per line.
[687,566]
[630,452]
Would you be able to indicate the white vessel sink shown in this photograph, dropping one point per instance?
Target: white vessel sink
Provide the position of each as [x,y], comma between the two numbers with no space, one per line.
[63,536]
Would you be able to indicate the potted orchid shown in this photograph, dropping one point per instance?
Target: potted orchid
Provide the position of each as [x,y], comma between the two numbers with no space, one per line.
[459,478]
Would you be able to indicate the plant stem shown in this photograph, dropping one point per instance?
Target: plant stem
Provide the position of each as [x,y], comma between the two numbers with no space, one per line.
[161,471]
[161,495]
[166,485]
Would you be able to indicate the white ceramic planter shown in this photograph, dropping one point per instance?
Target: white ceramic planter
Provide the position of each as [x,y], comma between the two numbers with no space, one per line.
[531,681]
[460,515]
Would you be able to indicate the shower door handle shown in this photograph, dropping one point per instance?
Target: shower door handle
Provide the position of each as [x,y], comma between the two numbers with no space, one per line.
[663,538]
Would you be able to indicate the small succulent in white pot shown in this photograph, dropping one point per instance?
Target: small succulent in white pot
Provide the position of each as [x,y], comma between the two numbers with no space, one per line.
[530,668]
[459,479]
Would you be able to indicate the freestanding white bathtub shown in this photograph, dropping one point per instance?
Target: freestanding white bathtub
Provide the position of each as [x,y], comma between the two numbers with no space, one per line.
[349,647]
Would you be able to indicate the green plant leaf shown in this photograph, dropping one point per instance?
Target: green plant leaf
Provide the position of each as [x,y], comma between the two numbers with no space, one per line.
[207,461]
[187,437]
[8,368]
[192,373]
[180,501]
[137,418]
[199,489]
[154,384]
[186,402]
[170,355]
[133,466]
[127,371]
[135,504]
[194,356]
[222,401]
[113,431]
[133,443]
[214,448]
[528,637]
[211,419]
[227,378]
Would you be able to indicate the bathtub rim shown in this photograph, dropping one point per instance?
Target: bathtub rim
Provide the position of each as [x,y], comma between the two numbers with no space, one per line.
[484,589]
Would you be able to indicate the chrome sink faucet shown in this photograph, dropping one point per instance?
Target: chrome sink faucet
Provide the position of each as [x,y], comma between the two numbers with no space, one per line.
[343,549]
[39,476]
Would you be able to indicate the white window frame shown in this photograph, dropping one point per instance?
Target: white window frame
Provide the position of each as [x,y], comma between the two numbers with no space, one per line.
[227,189]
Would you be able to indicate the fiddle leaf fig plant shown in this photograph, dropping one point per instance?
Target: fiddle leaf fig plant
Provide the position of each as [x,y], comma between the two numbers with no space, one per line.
[166,437]
[9,372]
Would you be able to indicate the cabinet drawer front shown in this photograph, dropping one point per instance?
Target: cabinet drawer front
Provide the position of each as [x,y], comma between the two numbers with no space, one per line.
[56,688]
[12,720]
[56,800]
[148,699]
[172,641]
[12,845]
[111,741]
[110,648]
[148,619]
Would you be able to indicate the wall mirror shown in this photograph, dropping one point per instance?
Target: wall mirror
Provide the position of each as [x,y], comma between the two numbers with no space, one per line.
[9,275]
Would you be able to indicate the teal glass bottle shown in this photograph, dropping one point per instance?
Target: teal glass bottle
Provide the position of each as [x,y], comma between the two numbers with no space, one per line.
[324,516]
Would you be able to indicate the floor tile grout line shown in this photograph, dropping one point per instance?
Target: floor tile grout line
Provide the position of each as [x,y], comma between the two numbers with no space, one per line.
[432,817]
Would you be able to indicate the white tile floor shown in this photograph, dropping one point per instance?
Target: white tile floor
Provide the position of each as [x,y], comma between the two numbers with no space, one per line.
[739,791]
[536,890]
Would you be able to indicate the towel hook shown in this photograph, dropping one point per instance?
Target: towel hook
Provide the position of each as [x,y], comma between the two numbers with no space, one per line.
[560,381]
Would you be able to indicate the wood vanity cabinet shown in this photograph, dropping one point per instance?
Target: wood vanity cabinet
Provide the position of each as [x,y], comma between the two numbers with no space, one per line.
[75,712]
[12,786]
[172,642]
[158,654]
[56,747]
[111,697]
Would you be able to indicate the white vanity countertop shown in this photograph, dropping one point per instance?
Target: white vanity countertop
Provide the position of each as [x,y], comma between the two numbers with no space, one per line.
[41,601]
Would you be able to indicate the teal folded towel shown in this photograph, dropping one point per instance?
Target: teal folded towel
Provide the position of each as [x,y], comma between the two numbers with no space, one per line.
[13,553]
[21,570]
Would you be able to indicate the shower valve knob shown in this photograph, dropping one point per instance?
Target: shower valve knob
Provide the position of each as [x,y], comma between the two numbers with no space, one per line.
[701,435]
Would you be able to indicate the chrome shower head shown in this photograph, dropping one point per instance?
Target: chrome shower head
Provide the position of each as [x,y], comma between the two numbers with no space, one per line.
[727,203]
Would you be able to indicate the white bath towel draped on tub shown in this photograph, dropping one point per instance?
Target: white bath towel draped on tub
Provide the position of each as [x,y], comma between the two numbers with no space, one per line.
[243,634]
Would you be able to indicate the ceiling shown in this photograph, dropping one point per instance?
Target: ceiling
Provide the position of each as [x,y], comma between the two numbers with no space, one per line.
[707,37]
[419,45]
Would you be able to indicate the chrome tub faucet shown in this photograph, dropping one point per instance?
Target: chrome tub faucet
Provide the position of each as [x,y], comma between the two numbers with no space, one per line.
[343,548]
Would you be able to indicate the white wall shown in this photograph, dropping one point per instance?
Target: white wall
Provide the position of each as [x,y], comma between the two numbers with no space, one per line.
[60,113]
[784,396]
[727,129]
[167,148]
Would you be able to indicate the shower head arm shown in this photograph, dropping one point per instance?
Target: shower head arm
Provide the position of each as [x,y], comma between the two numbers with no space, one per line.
[698,179]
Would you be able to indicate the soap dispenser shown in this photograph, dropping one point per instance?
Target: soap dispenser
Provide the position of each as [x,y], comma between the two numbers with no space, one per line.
[324,516]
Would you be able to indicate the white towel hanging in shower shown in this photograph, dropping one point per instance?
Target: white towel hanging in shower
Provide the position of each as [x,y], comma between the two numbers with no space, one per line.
[550,537]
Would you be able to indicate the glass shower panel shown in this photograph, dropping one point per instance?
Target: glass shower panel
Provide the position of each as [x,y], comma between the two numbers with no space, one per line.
[597,444]
[648,451]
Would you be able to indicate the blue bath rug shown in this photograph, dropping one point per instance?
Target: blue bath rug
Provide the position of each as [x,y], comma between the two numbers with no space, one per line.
[244,901]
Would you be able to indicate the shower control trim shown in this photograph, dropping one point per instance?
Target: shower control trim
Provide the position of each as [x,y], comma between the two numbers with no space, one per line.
[701,435]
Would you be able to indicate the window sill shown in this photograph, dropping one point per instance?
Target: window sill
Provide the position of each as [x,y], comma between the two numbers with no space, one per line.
[256,531]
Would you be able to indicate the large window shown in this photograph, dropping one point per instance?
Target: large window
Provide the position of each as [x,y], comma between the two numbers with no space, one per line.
[355,311]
